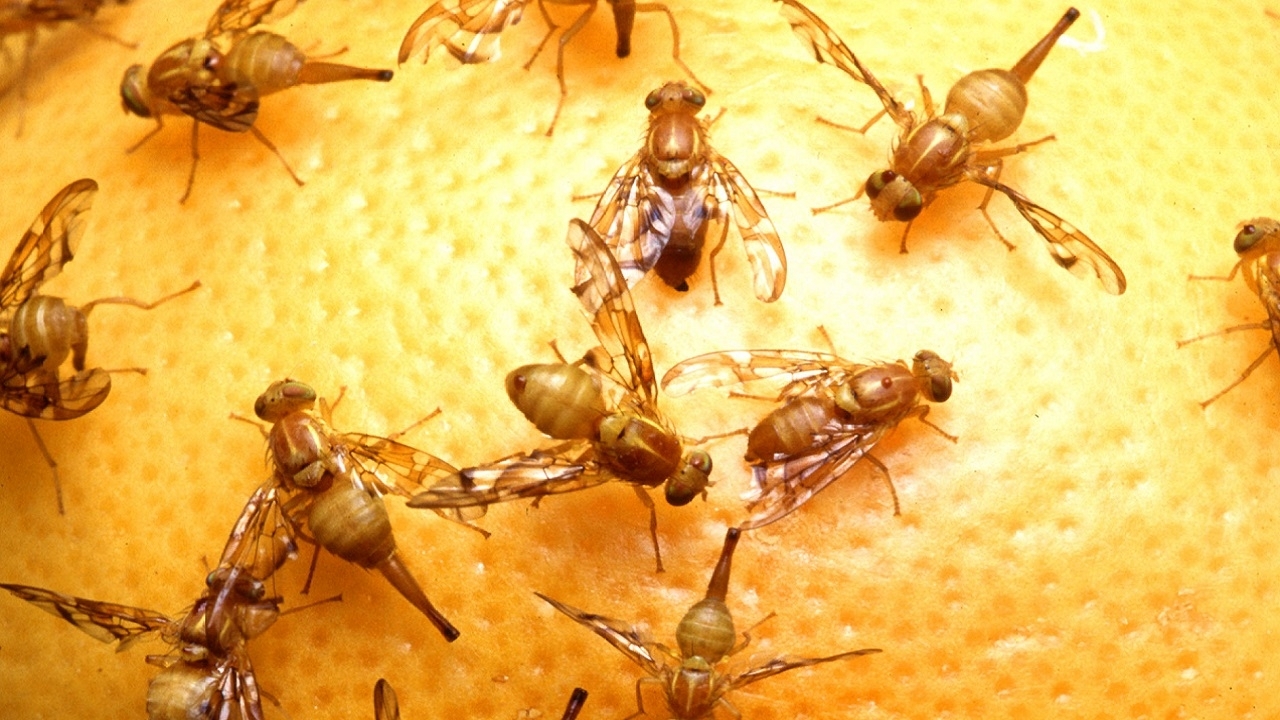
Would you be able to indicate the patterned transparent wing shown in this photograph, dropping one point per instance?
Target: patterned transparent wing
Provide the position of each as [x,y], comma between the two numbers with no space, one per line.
[827,47]
[48,244]
[531,475]
[1069,247]
[615,322]
[469,29]
[759,237]
[780,665]
[392,467]
[263,538]
[619,634]
[803,371]
[783,484]
[385,704]
[44,396]
[104,621]
[233,108]
[620,219]
[237,16]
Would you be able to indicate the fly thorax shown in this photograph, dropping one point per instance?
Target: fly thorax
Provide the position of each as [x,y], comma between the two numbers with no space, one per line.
[690,480]
[933,153]
[564,401]
[992,101]
[706,631]
[638,449]
[182,692]
[49,329]
[691,692]
[675,144]
[877,393]
[190,63]
[352,524]
[299,447]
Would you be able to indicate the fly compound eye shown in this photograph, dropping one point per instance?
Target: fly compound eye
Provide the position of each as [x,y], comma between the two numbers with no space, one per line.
[695,97]
[652,100]
[909,206]
[879,181]
[1248,236]
[934,374]
[691,480]
[131,92]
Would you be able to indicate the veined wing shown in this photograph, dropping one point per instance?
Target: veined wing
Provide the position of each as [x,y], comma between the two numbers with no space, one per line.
[38,395]
[759,237]
[783,484]
[232,108]
[619,634]
[1069,247]
[104,621]
[237,16]
[469,29]
[780,665]
[530,475]
[618,217]
[392,467]
[802,370]
[237,695]
[616,324]
[827,47]
[262,540]
[48,244]
[385,704]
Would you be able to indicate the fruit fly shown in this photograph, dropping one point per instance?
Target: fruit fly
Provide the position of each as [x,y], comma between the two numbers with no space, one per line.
[676,192]
[604,409]
[470,31]
[387,707]
[222,88]
[1258,246]
[25,17]
[693,688]
[834,412]
[938,151]
[334,482]
[207,674]
[38,332]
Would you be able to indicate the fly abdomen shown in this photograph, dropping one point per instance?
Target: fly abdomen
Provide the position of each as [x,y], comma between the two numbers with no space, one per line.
[563,401]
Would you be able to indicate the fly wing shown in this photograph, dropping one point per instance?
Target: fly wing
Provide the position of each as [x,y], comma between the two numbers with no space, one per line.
[783,484]
[469,29]
[780,665]
[237,16]
[759,238]
[615,322]
[45,397]
[530,475]
[1069,247]
[48,244]
[619,634]
[263,538]
[803,371]
[229,107]
[385,704]
[827,47]
[104,621]
[623,217]
[391,467]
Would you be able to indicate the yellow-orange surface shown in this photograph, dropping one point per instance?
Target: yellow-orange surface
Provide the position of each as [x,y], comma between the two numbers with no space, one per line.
[1094,546]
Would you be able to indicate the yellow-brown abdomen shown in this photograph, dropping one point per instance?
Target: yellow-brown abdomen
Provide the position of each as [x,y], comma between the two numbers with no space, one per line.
[352,524]
[993,101]
[563,401]
[789,429]
[267,61]
[49,329]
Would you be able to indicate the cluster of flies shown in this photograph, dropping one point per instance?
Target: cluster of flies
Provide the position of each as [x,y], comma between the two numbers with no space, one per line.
[601,411]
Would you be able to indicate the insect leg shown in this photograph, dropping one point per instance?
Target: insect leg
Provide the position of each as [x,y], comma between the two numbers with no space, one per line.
[884,472]
[675,41]
[1228,277]
[53,465]
[1265,325]
[195,156]
[137,303]
[565,38]
[926,98]
[1247,371]
[921,412]
[993,169]
[653,522]
[640,711]
[263,139]
[159,126]
[551,29]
